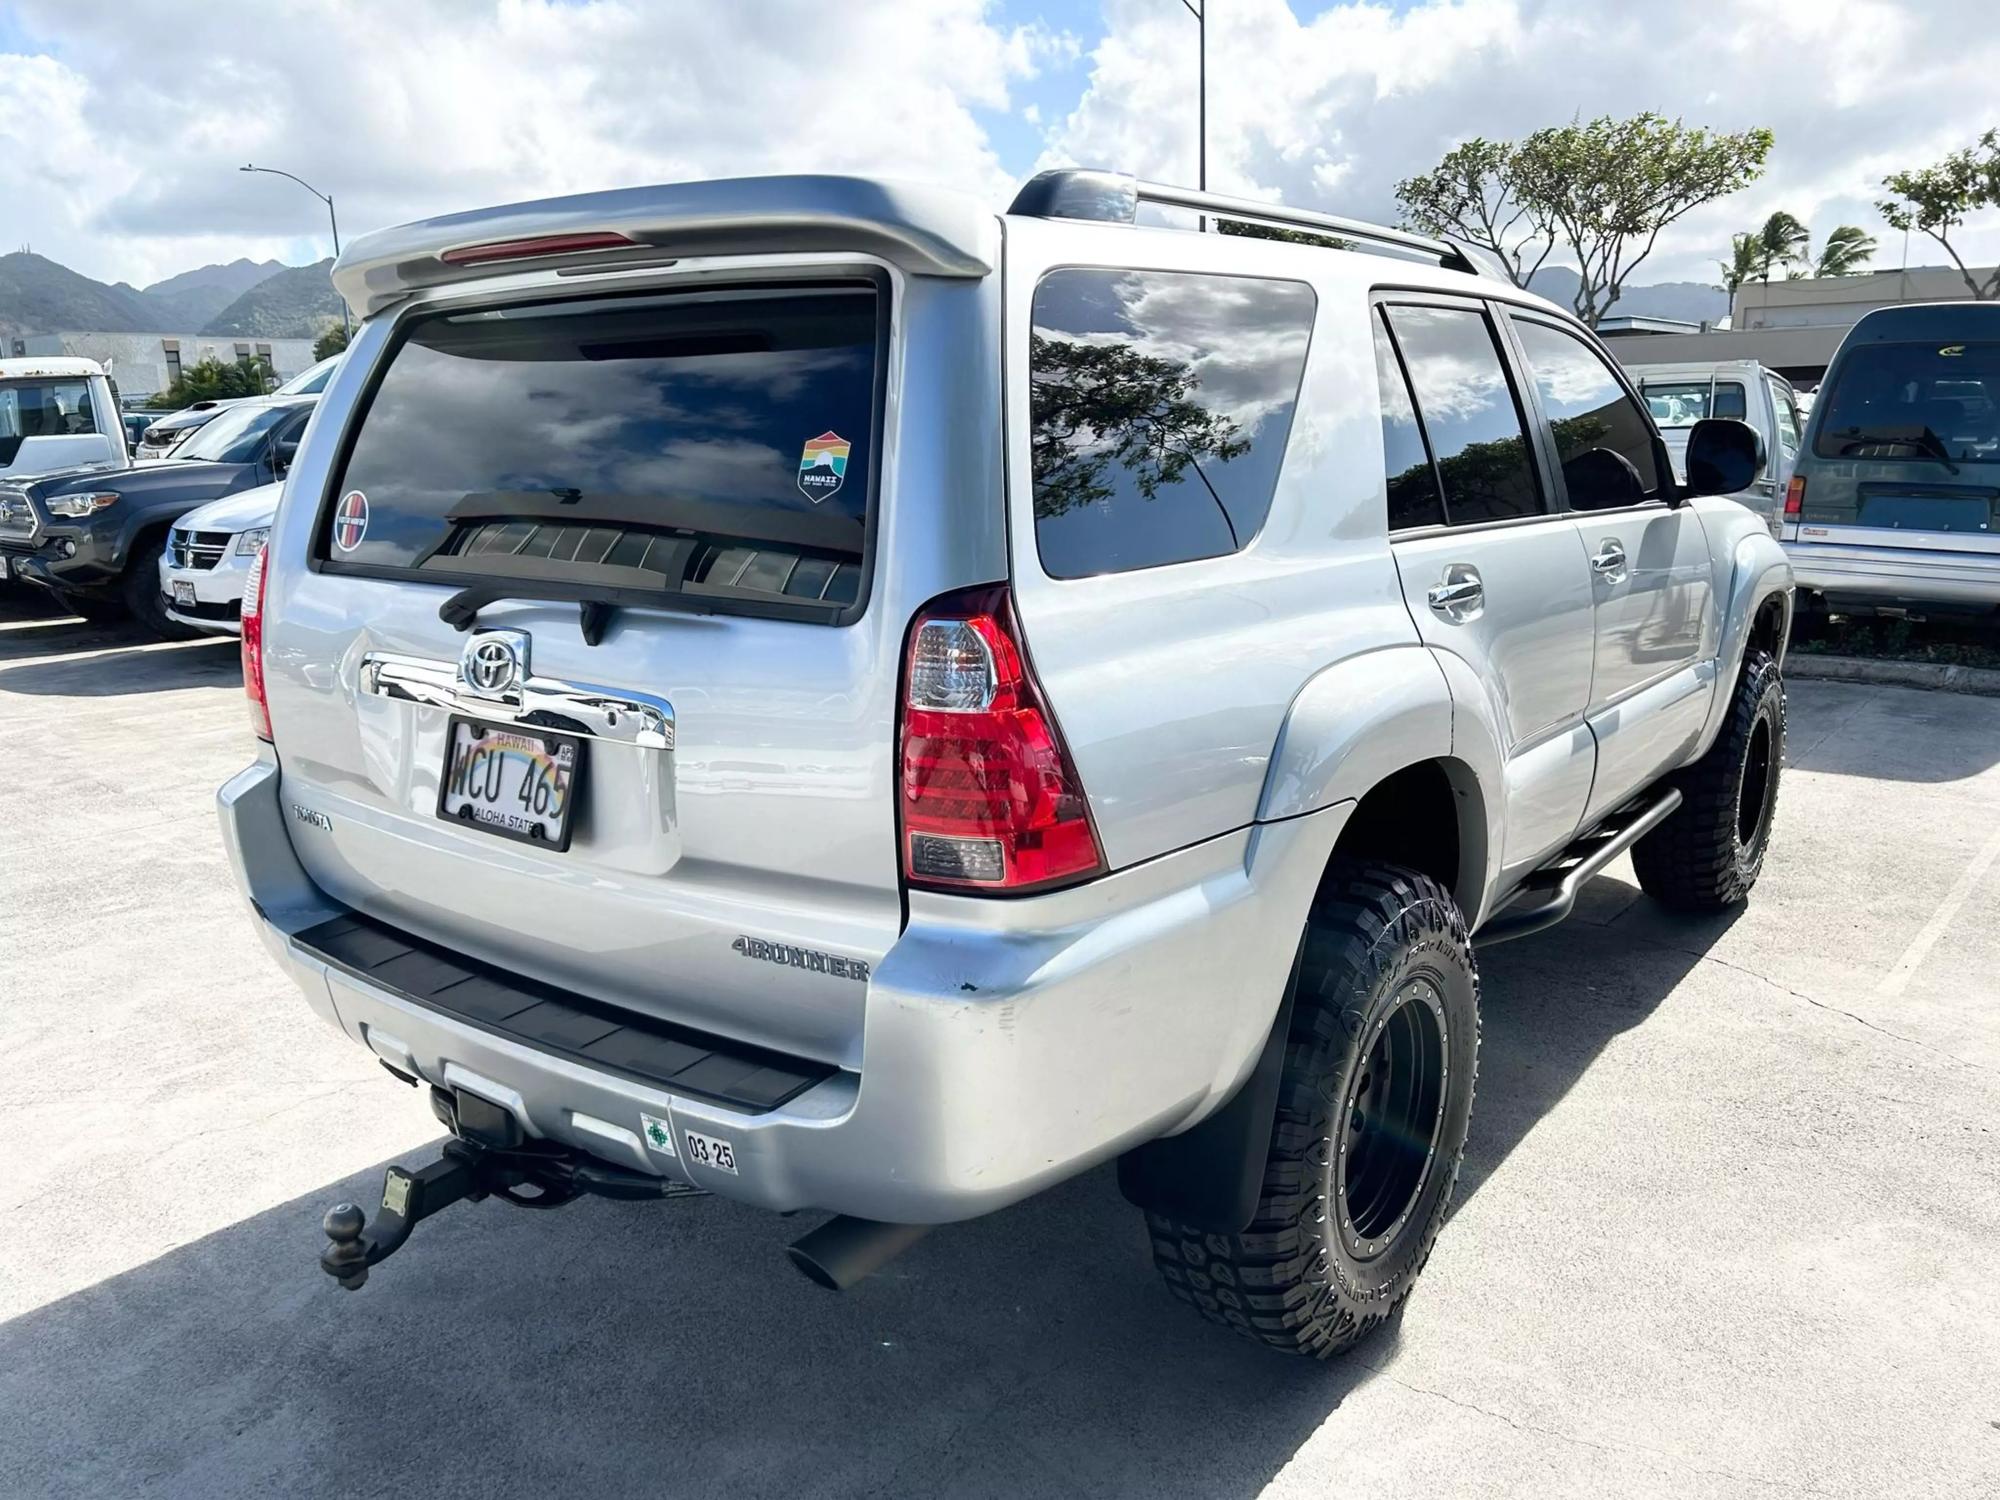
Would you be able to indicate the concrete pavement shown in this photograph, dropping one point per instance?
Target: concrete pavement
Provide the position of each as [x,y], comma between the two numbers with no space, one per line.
[1730,1221]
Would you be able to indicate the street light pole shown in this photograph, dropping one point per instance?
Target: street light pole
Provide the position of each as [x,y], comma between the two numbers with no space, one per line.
[1201,97]
[346,326]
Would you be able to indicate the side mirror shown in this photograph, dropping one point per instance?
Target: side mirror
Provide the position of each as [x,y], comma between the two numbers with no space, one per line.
[288,450]
[1723,456]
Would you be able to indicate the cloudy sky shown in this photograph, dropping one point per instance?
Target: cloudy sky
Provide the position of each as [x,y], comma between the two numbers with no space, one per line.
[120,130]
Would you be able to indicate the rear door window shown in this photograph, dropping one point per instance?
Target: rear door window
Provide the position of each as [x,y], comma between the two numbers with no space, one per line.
[1788,417]
[1604,444]
[1924,402]
[1161,403]
[1469,413]
[716,444]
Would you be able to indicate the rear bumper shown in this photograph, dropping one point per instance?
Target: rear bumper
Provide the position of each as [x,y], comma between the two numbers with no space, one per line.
[1896,574]
[1007,1044]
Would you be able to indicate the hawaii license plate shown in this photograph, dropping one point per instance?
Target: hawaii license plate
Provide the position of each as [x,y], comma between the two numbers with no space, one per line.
[508,779]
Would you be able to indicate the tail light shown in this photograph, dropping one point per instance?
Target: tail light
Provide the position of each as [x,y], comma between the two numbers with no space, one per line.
[989,798]
[1795,496]
[537,247]
[253,645]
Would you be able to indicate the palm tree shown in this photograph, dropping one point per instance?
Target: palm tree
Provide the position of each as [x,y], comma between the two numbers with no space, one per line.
[1845,252]
[1746,262]
[1782,241]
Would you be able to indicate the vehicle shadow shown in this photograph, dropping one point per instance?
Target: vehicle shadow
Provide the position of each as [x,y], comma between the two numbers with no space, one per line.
[125,664]
[610,1346]
[1886,733]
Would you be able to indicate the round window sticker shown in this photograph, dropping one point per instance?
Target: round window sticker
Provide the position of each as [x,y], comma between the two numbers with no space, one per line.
[350,521]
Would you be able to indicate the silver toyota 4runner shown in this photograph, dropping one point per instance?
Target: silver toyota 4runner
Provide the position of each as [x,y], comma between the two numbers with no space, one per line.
[810,690]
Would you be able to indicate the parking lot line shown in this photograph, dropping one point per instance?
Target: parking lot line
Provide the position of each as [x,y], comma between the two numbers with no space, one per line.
[1898,978]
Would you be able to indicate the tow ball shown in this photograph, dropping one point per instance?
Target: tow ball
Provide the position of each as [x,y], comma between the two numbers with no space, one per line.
[525,1173]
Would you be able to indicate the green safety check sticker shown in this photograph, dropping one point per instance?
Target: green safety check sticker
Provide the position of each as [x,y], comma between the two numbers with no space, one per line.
[659,1134]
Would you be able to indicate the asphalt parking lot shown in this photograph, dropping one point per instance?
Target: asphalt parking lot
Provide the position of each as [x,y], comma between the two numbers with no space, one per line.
[1729,1224]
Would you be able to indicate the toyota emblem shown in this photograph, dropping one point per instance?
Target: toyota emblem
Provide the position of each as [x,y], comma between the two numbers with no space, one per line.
[494,662]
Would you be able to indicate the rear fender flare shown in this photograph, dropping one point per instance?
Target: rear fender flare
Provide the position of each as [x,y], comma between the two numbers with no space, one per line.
[1353,724]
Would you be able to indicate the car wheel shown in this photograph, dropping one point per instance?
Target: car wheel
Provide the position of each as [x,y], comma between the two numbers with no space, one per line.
[141,591]
[1373,1106]
[1710,850]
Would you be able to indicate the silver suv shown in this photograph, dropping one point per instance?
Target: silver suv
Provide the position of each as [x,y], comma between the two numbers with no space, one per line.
[810,690]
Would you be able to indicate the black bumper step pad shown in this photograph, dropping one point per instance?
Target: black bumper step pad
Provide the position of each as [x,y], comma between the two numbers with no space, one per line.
[748,1079]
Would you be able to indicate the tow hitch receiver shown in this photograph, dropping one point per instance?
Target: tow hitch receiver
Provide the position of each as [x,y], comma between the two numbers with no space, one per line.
[533,1174]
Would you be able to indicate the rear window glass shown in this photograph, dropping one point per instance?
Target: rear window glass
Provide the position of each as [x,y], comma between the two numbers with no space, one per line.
[42,408]
[1161,404]
[718,444]
[1913,401]
[235,435]
[1469,413]
[1682,403]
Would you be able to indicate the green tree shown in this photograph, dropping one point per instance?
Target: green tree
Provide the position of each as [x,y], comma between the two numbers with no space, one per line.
[1249,230]
[1602,190]
[1098,404]
[212,380]
[1782,241]
[1938,199]
[1745,263]
[1472,194]
[1847,249]
[330,343]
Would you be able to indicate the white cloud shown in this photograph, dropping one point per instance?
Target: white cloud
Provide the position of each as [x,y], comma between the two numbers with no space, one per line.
[121,148]
[1331,112]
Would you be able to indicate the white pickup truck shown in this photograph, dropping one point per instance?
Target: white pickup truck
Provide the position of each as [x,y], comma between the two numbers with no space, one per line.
[1680,395]
[57,414]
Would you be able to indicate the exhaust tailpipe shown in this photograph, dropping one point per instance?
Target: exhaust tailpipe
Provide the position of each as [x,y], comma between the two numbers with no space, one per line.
[843,1251]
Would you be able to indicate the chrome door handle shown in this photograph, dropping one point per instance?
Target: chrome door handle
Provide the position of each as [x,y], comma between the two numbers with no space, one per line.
[1462,594]
[1610,559]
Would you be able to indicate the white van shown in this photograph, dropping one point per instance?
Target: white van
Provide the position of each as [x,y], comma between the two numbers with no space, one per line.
[1680,395]
[57,414]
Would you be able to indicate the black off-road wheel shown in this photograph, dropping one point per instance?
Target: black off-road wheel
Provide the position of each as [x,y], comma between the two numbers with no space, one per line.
[1376,1095]
[1710,850]
[141,591]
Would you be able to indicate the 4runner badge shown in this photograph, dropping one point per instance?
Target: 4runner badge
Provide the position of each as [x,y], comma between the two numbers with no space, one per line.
[802,958]
[823,466]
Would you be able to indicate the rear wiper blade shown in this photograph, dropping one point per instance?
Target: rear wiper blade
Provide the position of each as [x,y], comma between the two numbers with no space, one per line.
[1925,439]
[595,602]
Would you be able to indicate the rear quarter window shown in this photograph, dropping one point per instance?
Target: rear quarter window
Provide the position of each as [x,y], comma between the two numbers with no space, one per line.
[719,444]
[1161,403]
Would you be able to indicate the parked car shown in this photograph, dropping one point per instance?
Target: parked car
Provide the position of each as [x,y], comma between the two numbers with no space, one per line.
[873,711]
[208,556]
[135,424]
[312,380]
[96,537]
[1895,504]
[57,414]
[159,439]
[1680,395]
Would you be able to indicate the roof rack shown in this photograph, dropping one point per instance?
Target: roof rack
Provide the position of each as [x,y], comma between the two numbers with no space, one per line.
[1114,198]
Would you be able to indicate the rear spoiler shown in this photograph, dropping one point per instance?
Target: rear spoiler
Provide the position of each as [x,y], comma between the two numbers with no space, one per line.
[925,230]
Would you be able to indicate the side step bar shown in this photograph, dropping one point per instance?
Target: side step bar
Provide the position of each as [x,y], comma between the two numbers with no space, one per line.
[1550,893]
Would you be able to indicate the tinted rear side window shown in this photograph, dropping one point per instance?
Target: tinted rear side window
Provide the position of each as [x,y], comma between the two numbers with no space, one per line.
[713,444]
[1913,401]
[1160,403]
[1414,498]
[1469,413]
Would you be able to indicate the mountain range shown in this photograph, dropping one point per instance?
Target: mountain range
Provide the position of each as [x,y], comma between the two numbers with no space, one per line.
[262,299]
[270,300]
